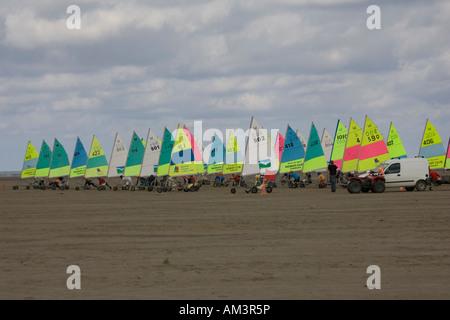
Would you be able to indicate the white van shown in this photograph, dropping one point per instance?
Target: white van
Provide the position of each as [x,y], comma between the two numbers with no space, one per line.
[409,173]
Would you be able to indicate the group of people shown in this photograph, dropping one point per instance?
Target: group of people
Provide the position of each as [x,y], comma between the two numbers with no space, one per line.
[333,172]
[101,182]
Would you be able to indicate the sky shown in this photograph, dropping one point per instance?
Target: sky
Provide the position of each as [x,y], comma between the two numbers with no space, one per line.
[135,65]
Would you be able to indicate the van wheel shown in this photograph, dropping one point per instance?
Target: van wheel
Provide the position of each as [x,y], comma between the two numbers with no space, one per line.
[421,185]
[409,188]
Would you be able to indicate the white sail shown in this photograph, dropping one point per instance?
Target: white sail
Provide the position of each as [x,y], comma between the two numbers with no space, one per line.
[303,140]
[118,158]
[259,154]
[327,144]
[151,155]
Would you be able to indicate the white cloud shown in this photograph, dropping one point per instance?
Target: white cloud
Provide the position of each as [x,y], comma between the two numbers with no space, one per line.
[138,64]
[284,29]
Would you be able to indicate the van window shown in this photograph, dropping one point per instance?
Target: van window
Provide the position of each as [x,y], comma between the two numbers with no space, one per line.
[393,168]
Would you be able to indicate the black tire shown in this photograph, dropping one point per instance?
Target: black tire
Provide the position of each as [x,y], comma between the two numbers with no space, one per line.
[100,188]
[77,188]
[254,189]
[233,190]
[302,185]
[378,187]
[409,188]
[269,189]
[150,189]
[159,190]
[164,189]
[53,187]
[186,189]
[180,188]
[421,185]
[354,186]
[43,187]
[133,188]
[115,188]
[216,184]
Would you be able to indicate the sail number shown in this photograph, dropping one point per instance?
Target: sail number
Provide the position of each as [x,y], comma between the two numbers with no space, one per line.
[373,137]
[288,145]
[258,139]
[428,141]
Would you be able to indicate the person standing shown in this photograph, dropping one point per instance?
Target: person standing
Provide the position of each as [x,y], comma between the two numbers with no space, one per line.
[332,170]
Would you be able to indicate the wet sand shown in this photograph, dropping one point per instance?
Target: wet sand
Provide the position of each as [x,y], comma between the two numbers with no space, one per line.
[294,244]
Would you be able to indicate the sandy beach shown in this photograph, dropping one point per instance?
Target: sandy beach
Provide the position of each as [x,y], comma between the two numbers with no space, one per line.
[295,244]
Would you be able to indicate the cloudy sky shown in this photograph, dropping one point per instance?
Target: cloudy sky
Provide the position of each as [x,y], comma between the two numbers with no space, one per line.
[136,65]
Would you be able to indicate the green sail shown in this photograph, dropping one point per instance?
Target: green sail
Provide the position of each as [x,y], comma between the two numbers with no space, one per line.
[135,156]
[29,162]
[60,165]
[394,144]
[166,153]
[314,158]
[97,165]
[45,158]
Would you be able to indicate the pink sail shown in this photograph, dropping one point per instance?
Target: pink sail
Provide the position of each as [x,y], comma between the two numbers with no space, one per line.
[197,154]
[279,146]
[376,148]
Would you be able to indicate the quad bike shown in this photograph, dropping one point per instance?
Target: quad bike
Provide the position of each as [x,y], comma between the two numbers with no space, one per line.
[372,181]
